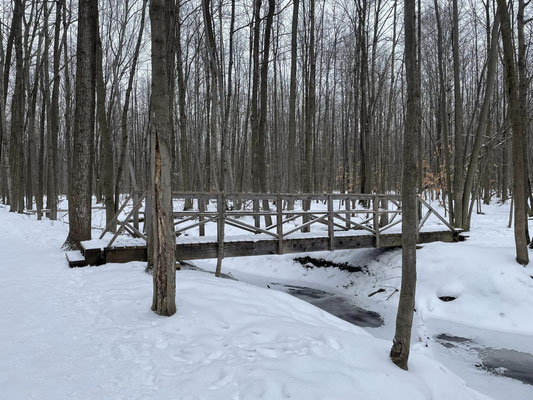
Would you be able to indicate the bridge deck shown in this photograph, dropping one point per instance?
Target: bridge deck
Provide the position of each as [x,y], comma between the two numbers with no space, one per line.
[195,248]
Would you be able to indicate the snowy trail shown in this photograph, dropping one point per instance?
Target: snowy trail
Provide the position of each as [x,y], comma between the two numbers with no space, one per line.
[89,334]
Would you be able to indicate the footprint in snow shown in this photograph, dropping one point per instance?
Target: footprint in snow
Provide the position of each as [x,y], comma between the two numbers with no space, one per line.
[333,343]
[222,382]
[268,352]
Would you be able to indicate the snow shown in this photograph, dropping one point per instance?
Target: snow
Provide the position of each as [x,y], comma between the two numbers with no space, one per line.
[88,333]
[494,293]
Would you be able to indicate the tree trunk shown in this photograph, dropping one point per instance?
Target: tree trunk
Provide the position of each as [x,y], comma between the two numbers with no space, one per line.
[404,319]
[125,108]
[291,165]
[184,145]
[518,143]
[53,169]
[164,239]
[4,138]
[482,124]
[261,131]
[79,205]
[458,178]
[17,114]
[443,111]
[107,144]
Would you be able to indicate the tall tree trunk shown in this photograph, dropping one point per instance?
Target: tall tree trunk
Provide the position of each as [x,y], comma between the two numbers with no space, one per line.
[164,239]
[79,205]
[124,117]
[404,319]
[107,144]
[523,83]
[17,113]
[291,165]
[443,110]
[68,106]
[254,113]
[482,124]
[261,130]
[4,138]
[363,111]
[53,169]
[310,103]
[518,143]
[184,144]
[458,177]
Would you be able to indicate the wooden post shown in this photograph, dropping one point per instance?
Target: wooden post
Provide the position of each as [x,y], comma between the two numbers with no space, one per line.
[376,219]
[384,219]
[257,217]
[220,231]
[331,228]
[136,211]
[306,206]
[201,209]
[348,215]
[279,222]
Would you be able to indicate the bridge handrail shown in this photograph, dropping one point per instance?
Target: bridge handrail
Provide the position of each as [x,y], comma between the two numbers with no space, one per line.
[377,216]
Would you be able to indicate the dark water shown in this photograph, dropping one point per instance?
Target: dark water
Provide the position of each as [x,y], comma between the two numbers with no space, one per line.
[503,362]
[510,363]
[337,306]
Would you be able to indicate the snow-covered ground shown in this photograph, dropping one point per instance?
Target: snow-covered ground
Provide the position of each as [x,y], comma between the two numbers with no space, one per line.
[89,333]
[492,310]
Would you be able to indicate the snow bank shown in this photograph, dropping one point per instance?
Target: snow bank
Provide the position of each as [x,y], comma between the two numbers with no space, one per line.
[492,291]
[89,334]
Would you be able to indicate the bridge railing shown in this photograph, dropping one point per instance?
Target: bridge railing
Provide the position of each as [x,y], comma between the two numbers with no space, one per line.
[272,216]
[373,214]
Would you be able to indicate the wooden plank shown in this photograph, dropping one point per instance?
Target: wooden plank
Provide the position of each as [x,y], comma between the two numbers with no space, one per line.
[331,228]
[93,256]
[115,218]
[75,259]
[125,254]
[253,247]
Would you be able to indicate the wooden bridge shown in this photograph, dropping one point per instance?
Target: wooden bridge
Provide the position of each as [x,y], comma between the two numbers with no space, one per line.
[218,225]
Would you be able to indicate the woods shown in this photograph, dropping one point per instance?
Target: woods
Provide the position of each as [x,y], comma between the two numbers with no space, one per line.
[293,97]
[99,100]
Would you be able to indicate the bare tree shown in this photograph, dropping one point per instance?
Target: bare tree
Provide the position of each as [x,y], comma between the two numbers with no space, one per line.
[83,151]
[519,140]
[163,238]
[404,318]
[17,113]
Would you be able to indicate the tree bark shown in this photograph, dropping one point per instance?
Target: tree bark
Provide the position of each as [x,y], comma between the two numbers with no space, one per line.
[518,141]
[184,143]
[164,239]
[292,103]
[54,120]
[458,178]
[404,319]
[125,109]
[17,114]
[482,124]
[107,144]
[79,205]
[443,111]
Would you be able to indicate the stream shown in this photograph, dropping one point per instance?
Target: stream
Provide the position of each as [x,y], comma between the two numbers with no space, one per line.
[497,361]
[471,353]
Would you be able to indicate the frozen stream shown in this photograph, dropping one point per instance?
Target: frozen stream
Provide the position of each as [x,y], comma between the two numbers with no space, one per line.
[495,363]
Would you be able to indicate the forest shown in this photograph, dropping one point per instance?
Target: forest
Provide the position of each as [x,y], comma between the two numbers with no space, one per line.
[228,112]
